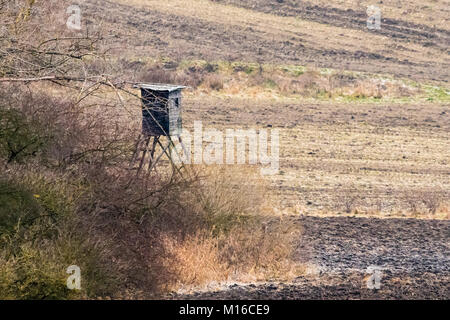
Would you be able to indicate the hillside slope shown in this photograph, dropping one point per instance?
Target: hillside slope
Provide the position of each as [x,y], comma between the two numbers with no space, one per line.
[267,31]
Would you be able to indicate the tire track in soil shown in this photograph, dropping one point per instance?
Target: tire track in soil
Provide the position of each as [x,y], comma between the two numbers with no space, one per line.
[349,18]
[216,41]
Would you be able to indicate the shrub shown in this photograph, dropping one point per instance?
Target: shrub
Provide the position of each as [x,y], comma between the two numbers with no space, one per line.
[18,207]
[33,274]
[36,252]
[158,74]
[132,236]
[20,137]
[214,82]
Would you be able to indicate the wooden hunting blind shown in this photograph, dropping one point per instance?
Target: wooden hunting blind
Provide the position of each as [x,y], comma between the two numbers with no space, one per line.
[161,117]
[161,109]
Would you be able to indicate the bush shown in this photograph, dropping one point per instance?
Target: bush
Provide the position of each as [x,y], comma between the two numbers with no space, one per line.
[20,137]
[36,252]
[18,207]
[132,236]
[33,274]
[38,271]
[158,74]
[214,82]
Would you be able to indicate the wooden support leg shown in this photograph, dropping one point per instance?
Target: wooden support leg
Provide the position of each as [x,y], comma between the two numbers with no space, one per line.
[147,142]
[152,151]
[185,154]
[159,157]
[152,155]
[136,151]
[183,147]
[170,144]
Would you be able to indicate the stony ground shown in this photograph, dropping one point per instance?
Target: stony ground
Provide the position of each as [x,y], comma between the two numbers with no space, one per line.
[414,255]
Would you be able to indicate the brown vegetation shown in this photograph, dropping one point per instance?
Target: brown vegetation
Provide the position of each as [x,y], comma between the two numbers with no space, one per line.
[69,120]
[68,197]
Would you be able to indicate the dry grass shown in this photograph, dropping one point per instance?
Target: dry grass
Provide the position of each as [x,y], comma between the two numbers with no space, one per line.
[246,253]
[194,261]
[135,237]
[377,150]
[238,79]
[302,38]
[242,242]
[214,82]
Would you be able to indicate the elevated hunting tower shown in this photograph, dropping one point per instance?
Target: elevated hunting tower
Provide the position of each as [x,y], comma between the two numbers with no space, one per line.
[161,109]
[161,117]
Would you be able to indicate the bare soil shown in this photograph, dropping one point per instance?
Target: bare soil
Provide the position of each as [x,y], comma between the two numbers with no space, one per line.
[370,157]
[261,31]
[352,18]
[414,255]
[379,158]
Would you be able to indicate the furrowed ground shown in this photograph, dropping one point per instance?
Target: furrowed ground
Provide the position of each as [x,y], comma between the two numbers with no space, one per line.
[413,41]
[363,116]
[371,158]
[364,124]
[347,146]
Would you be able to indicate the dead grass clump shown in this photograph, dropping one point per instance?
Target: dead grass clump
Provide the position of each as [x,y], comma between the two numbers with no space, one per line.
[347,199]
[309,84]
[214,82]
[411,201]
[424,201]
[236,241]
[248,251]
[158,74]
[193,261]
[262,249]
[364,90]
[432,200]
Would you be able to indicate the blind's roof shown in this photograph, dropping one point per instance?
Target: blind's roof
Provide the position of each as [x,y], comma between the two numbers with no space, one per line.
[159,87]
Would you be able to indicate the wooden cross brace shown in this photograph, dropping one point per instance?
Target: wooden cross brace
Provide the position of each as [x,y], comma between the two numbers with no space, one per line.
[143,144]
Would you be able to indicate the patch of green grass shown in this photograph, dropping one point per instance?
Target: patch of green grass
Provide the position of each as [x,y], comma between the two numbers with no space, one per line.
[270,84]
[437,94]
[18,207]
[295,71]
